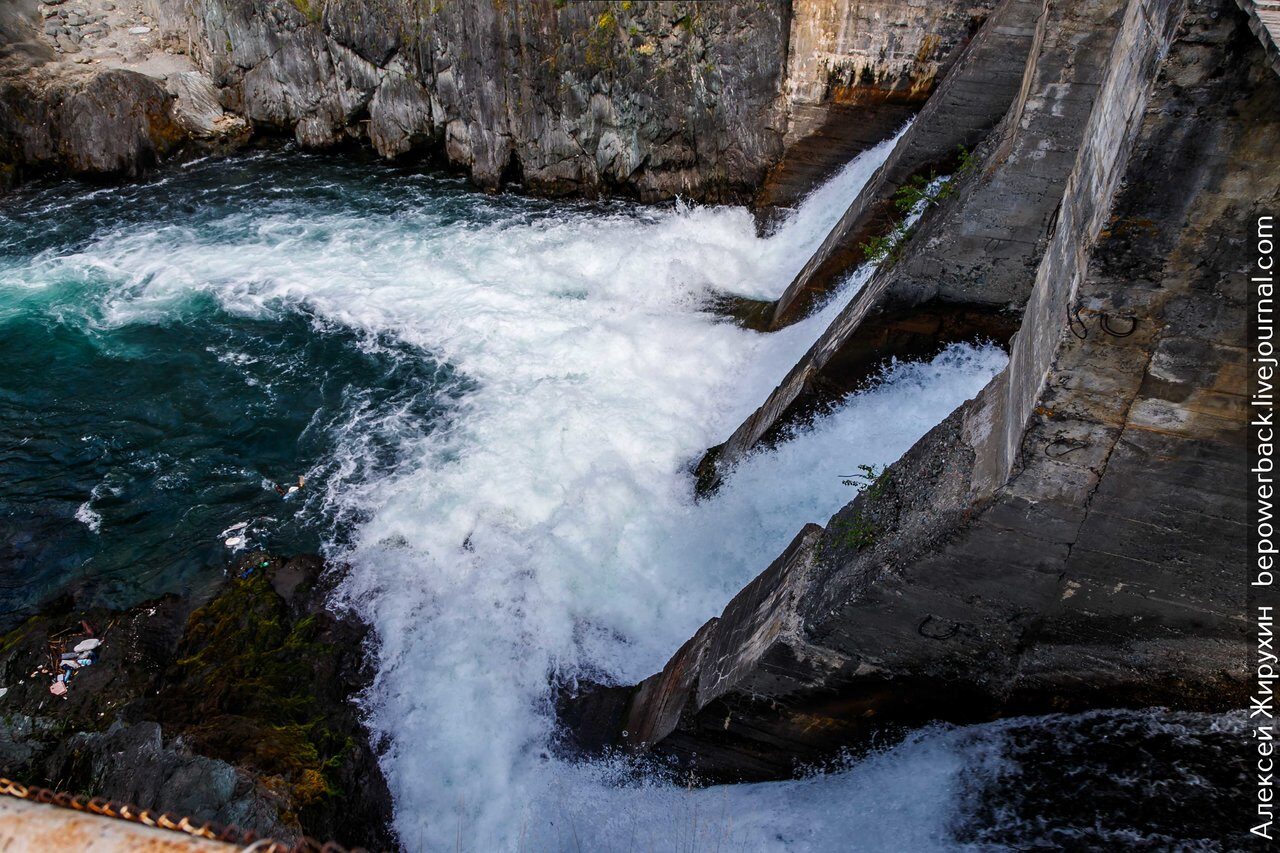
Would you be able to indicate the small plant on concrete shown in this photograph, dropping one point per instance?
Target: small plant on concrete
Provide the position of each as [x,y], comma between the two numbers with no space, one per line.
[912,199]
[871,479]
[886,246]
[856,531]
[920,193]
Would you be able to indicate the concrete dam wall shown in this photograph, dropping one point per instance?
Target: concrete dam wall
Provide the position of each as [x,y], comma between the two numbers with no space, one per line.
[1068,539]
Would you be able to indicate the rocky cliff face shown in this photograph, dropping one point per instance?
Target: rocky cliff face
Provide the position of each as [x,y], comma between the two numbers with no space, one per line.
[83,95]
[1067,539]
[653,100]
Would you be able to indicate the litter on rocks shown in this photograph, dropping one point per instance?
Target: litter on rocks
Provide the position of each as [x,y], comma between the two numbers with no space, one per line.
[69,652]
[250,569]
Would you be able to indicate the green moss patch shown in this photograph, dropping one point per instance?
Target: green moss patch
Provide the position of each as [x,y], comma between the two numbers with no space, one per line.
[243,689]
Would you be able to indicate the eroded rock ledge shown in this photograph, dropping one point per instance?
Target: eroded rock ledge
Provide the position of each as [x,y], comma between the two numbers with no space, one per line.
[86,97]
[237,711]
[1068,539]
[709,101]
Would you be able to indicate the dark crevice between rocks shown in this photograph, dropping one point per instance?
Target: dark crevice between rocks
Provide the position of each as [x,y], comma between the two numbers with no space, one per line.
[513,172]
[914,333]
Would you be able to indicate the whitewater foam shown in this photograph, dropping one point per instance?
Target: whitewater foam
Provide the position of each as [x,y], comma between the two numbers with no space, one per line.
[545,525]
[86,515]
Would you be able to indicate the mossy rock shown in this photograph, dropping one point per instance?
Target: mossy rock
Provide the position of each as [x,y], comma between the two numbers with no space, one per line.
[263,677]
[259,676]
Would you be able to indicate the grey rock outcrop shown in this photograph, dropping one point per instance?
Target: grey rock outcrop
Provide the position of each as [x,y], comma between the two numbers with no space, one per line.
[65,117]
[136,765]
[197,109]
[108,123]
[1068,539]
[236,710]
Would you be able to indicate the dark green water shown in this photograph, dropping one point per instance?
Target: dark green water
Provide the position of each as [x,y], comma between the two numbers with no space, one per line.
[128,444]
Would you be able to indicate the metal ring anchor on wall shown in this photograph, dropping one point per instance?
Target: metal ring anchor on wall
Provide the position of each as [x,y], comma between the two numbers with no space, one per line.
[1060,447]
[1104,320]
[1074,321]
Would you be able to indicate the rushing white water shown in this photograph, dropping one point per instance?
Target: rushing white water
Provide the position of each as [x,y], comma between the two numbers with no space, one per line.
[552,529]
[549,528]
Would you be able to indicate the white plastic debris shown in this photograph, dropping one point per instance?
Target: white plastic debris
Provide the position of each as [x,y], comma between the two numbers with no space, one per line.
[86,645]
[139,31]
[234,542]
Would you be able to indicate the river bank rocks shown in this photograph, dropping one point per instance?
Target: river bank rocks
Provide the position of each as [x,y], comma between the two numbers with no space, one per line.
[713,102]
[236,710]
[89,88]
